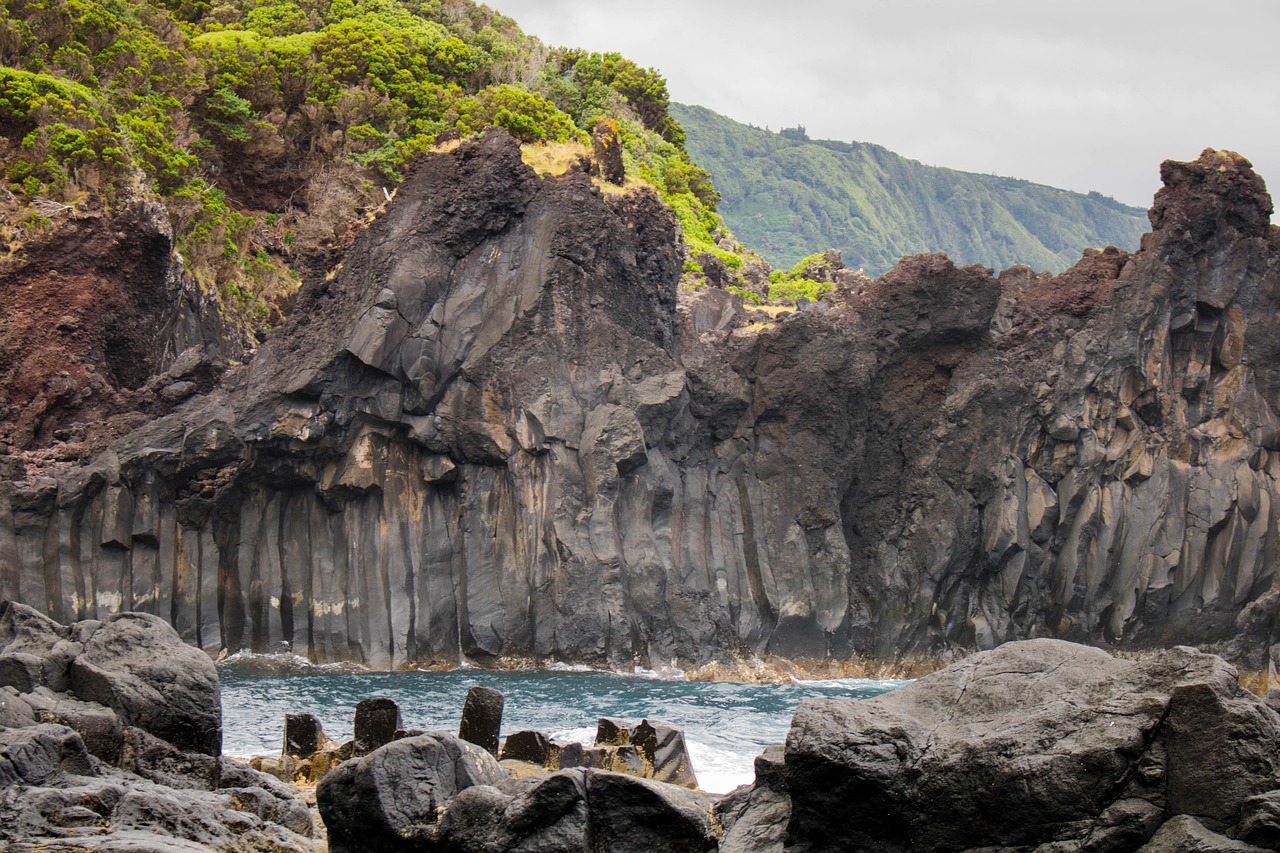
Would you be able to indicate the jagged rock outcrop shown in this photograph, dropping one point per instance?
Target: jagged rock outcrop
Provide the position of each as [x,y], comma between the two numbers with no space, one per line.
[493,431]
[110,739]
[1041,745]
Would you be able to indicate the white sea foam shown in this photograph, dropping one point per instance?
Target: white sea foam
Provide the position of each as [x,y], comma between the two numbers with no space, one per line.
[876,684]
[661,673]
[585,735]
[283,663]
[719,771]
[561,666]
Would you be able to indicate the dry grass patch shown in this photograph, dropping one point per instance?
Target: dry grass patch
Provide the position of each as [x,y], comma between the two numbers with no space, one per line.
[552,158]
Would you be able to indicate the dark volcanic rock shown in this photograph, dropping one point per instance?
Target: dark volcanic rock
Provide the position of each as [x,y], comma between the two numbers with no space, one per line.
[482,718]
[1036,743]
[550,816]
[139,771]
[303,735]
[388,800]
[630,815]
[376,723]
[533,747]
[493,432]
[660,746]
[135,664]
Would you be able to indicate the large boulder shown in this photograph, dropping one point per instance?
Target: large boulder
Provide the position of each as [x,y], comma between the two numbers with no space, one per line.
[632,815]
[137,665]
[580,810]
[130,760]
[1033,743]
[388,799]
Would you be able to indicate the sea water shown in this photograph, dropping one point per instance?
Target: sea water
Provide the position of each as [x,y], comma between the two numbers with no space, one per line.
[726,725]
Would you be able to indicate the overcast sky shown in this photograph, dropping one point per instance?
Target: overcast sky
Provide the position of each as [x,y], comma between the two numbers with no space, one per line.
[1086,95]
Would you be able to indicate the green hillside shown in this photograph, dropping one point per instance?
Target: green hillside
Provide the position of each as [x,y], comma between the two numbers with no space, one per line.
[265,130]
[786,196]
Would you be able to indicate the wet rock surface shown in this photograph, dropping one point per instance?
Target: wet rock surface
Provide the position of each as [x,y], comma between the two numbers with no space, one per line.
[126,757]
[495,431]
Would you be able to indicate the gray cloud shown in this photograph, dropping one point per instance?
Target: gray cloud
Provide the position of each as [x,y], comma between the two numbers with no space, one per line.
[1088,95]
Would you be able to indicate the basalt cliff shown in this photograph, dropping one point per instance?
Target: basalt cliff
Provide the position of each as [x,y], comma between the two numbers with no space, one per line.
[497,430]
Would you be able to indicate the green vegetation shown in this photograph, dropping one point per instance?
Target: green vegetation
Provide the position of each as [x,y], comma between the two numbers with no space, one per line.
[801,280]
[268,128]
[785,194]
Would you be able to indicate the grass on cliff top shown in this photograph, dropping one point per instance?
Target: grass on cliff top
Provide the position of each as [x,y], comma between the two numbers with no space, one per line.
[552,158]
[555,158]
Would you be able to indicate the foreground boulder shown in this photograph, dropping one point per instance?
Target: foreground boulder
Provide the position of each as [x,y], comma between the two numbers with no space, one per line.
[439,792]
[1040,745]
[110,734]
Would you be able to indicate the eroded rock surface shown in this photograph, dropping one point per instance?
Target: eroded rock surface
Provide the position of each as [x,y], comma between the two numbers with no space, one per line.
[1038,745]
[439,792]
[110,739]
[496,431]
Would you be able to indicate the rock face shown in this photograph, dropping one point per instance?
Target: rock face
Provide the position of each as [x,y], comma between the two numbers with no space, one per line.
[110,739]
[1039,745]
[96,313]
[493,432]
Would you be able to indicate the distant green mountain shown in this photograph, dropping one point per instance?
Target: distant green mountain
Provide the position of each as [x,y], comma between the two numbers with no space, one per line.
[786,196]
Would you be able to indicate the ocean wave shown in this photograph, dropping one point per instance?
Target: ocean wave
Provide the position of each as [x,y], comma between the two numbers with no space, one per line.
[878,684]
[281,663]
[720,770]
[561,666]
[661,673]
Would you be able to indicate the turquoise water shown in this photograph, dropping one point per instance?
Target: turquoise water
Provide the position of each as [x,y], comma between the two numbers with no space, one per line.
[726,725]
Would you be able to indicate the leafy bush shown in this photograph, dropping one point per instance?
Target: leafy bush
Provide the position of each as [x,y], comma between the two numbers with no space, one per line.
[797,288]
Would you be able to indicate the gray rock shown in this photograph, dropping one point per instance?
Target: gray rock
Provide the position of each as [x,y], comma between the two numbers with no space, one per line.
[661,747]
[1260,820]
[41,755]
[137,665]
[755,817]
[531,746]
[376,723]
[1185,834]
[935,461]
[99,727]
[73,776]
[1035,742]
[482,718]
[551,815]
[303,734]
[23,672]
[388,799]
[632,815]
[14,710]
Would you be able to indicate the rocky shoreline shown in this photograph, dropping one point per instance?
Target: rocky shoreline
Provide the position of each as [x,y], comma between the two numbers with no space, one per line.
[110,737]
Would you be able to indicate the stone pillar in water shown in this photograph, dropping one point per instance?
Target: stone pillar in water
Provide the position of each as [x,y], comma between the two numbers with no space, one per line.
[482,718]
[377,721]
[303,736]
